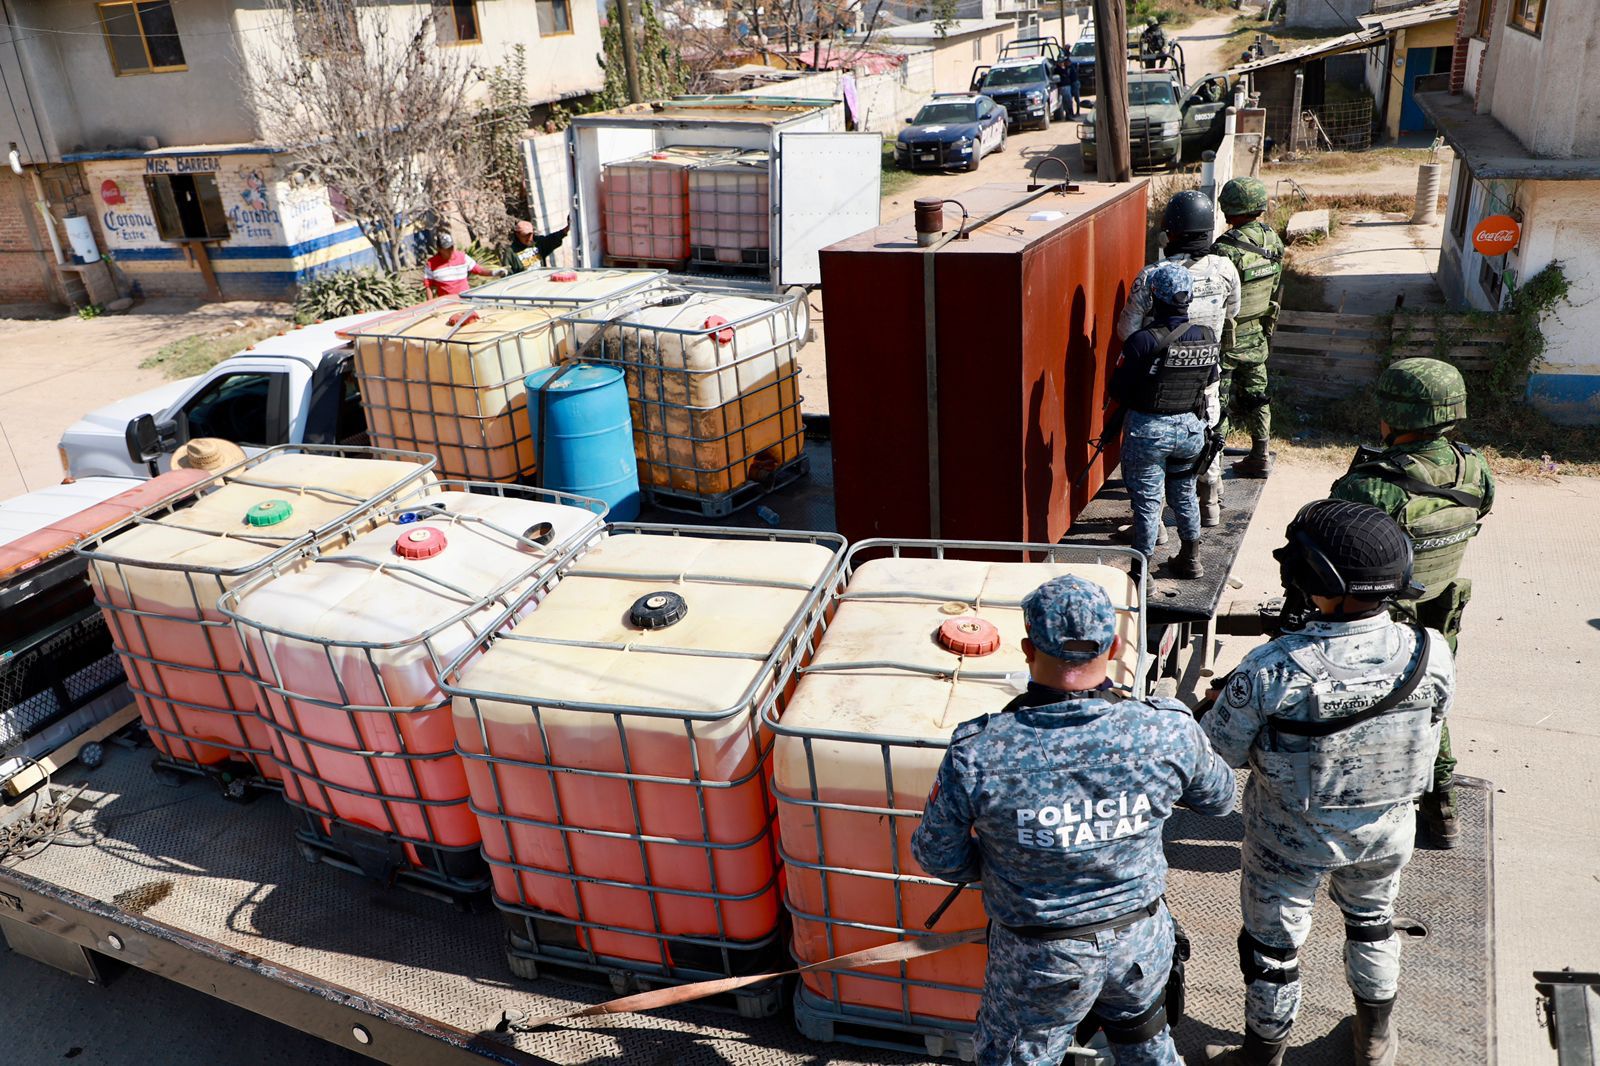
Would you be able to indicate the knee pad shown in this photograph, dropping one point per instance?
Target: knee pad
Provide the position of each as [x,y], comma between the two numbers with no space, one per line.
[1367,934]
[1141,1027]
[1253,970]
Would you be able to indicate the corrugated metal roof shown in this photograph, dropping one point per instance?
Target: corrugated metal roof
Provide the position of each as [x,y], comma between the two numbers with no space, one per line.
[1437,11]
[1375,29]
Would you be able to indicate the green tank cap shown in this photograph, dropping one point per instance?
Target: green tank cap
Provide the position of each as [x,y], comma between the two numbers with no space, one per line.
[269,513]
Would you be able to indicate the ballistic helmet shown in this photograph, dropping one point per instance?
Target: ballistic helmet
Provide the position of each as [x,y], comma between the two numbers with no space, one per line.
[1189,214]
[1340,548]
[1418,394]
[1243,196]
[1172,284]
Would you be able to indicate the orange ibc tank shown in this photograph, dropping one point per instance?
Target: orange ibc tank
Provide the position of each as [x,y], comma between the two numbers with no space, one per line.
[157,578]
[349,648]
[858,750]
[644,205]
[615,757]
[448,380]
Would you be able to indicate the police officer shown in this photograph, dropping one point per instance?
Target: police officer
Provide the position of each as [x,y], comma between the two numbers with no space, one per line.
[1256,251]
[1056,803]
[1160,384]
[1188,222]
[1339,723]
[1437,490]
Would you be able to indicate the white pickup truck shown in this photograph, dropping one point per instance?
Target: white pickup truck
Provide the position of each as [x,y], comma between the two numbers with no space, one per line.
[295,388]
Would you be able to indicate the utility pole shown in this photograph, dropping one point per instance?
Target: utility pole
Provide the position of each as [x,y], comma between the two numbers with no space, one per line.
[630,64]
[1113,158]
[1066,42]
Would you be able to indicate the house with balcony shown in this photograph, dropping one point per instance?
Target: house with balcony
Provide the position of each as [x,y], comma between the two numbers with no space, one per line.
[138,117]
[1521,108]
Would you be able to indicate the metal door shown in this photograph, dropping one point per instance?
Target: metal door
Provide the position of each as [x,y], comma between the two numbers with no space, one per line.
[829,188]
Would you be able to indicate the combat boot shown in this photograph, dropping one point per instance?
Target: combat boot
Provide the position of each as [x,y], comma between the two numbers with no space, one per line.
[1209,491]
[1186,564]
[1124,534]
[1437,809]
[1258,464]
[1376,1042]
[1255,1051]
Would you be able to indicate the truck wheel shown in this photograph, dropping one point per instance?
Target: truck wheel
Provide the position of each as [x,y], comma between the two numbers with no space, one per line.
[977,158]
[802,311]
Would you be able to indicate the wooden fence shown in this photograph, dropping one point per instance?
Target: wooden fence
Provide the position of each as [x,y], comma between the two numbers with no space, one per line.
[1321,354]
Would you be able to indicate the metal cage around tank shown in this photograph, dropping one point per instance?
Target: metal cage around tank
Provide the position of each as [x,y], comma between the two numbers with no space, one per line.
[533,287]
[243,742]
[435,395]
[541,937]
[710,439]
[832,1017]
[393,848]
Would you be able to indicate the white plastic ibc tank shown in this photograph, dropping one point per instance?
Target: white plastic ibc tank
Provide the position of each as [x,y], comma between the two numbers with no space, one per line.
[594,291]
[614,755]
[859,747]
[158,577]
[350,646]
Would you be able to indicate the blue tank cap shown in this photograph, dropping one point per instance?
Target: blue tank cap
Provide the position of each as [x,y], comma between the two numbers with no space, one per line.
[579,377]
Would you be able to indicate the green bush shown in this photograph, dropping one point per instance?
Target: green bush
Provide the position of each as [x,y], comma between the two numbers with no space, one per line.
[350,292]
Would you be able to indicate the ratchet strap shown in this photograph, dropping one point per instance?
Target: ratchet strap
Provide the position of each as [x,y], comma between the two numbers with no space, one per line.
[900,951]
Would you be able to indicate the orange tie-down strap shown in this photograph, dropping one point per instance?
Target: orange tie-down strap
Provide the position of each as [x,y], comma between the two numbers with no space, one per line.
[899,951]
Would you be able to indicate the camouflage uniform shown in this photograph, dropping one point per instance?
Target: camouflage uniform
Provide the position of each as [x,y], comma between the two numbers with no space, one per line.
[1439,527]
[1214,304]
[1244,363]
[1335,807]
[1056,803]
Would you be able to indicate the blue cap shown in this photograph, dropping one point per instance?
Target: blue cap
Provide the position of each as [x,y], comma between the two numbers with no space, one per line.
[1070,619]
[1172,284]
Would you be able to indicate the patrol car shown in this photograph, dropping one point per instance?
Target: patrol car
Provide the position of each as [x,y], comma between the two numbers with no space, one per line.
[952,130]
[1028,89]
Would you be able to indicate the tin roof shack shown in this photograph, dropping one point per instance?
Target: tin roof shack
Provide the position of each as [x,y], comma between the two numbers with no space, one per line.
[1523,115]
[1022,313]
[822,185]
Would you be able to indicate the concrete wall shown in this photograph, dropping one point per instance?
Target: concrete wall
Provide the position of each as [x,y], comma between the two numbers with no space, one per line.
[955,56]
[1561,223]
[1440,34]
[886,100]
[85,105]
[1339,15]
[1546,89]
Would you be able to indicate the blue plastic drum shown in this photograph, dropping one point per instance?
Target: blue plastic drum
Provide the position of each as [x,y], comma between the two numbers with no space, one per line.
[583,435]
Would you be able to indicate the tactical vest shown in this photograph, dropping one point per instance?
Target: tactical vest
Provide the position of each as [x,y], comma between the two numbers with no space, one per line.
[1259,267]
[1176,381]
[1441,510]
[1369,741]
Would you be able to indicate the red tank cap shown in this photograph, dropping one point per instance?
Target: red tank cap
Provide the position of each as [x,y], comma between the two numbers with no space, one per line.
[724,336]
[564,275]
[969,635]
[421,543]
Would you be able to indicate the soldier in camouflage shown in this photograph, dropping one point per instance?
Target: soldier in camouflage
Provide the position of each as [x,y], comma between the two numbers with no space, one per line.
[1188,223]
[1338,723]
[1256,251]
[1437,490]
[1056,804]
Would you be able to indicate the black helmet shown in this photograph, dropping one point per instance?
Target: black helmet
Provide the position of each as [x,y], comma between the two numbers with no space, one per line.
[1340,548]
[1189,214]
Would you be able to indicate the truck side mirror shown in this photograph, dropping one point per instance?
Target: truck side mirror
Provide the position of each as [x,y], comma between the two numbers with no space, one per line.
[147,441]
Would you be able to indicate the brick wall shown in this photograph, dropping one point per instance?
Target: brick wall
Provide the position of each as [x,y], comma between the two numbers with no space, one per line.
[1458,62]
[25,273]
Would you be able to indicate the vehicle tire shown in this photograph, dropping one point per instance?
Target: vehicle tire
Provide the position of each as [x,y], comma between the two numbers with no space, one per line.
[1002,145]
[974,162]
[803,315]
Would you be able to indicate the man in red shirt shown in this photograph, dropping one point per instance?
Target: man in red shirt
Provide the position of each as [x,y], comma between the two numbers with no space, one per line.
[445,273]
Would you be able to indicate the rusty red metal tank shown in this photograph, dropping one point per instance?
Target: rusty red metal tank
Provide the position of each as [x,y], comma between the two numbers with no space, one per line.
[1023,312]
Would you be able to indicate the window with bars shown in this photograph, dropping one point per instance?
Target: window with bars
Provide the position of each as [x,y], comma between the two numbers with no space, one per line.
[555,17]
[142,37]
[457,22]
[1528,15]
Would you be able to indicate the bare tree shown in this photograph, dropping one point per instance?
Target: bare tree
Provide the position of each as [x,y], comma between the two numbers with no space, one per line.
[368,103]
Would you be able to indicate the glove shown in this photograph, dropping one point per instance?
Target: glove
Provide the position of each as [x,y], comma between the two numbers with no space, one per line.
[1113,426]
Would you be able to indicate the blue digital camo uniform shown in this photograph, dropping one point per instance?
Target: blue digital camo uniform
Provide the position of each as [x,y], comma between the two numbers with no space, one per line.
[1056,806]
[1337,808]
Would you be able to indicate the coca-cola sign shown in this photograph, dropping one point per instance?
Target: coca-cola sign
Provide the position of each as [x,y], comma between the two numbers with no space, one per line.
[1496,235]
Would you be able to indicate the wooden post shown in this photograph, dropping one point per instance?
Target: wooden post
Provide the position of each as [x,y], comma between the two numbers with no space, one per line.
[1113,159]
[630,63]
[1294,111]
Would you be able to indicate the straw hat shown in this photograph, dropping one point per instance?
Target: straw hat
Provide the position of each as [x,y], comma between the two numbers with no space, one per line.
[209,453]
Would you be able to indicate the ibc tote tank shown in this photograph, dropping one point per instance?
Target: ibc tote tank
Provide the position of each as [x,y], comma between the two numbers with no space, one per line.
[158,576]
[349,648]
[1025,315]
[615,759]
[644,204]
[730,212]
[917,644]
[596,291]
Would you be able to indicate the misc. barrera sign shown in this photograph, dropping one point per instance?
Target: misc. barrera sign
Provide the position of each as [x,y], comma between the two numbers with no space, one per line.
[1496,235]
